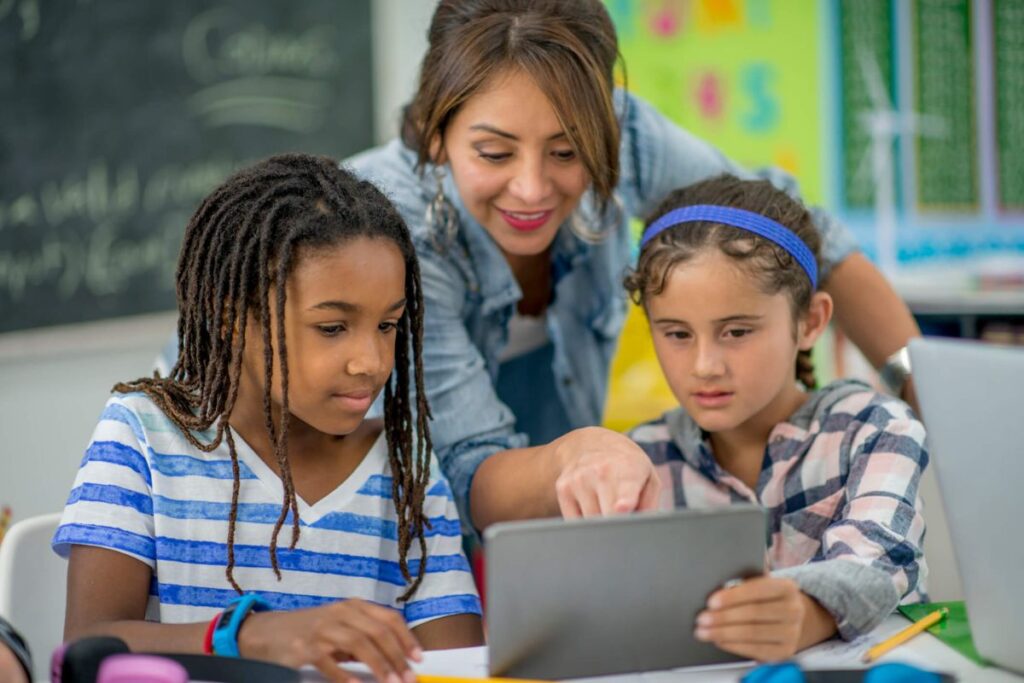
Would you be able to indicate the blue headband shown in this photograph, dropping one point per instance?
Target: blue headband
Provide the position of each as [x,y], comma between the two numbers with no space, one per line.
[746,220]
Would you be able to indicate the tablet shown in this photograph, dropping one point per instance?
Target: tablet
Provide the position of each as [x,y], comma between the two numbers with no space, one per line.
[573,598]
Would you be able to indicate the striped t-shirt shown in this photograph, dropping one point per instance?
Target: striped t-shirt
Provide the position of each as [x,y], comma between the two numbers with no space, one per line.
[839,481]
[145,491]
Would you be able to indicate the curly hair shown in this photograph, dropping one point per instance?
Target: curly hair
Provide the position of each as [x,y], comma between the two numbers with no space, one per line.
[770,265]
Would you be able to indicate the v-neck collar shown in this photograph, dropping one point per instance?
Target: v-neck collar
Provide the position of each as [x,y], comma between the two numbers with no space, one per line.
[374,462]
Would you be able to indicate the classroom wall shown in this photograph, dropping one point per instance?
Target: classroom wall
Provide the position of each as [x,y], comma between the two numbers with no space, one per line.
[53,384]
[54,381]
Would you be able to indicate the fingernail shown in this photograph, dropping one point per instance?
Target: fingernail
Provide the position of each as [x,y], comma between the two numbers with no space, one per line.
[701,634]
[409,676]
[417,654]
[715,602]
[393,678]
[704,619]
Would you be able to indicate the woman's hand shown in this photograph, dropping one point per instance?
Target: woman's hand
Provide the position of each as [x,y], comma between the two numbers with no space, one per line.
[338,632]
[766,619]
[604,473]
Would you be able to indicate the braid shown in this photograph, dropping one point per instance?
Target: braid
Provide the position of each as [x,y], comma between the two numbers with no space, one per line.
[240,246]
[805,370]
[410,464]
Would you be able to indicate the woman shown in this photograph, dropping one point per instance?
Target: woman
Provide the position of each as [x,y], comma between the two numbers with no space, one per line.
[519,167]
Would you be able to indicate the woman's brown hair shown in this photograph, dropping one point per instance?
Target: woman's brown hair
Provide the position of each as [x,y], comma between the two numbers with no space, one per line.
[240,245]
[568,47]
[773,267]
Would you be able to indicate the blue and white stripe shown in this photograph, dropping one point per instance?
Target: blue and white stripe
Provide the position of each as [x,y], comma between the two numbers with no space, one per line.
[143,490]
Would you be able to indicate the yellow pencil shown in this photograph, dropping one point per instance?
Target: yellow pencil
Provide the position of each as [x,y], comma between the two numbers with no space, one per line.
[5,520]
[428,678]
[905,635]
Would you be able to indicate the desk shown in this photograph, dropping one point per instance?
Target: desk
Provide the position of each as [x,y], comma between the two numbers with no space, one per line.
[925,651]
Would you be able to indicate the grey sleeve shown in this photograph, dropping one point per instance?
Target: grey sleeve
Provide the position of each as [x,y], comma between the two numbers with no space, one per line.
[857,596]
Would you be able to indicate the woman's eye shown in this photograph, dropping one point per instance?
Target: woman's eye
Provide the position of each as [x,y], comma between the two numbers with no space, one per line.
[736,333]
[331,330]
[677,335]
[494,158]
[388,327]
[564,154]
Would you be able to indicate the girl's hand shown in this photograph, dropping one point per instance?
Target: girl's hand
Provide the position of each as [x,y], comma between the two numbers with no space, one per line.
[766,619]
[604,473]
[338,632]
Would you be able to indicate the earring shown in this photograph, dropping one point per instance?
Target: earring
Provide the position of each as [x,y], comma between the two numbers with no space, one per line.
[441,217]
[608,220]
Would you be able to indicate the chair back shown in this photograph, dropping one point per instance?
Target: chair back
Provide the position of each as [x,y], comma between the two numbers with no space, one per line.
[33,587]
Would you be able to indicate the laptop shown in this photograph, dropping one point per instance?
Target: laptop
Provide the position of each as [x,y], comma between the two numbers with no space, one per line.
[972,401]
[568,599]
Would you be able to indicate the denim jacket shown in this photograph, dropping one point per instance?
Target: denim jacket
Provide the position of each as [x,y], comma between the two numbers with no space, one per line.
[471,293]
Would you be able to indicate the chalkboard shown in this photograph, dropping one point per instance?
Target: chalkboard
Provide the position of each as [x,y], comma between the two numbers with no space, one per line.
[118,116]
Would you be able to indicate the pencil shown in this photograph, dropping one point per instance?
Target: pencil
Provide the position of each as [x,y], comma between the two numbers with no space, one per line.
[5,520]
[905,635]
[429,678]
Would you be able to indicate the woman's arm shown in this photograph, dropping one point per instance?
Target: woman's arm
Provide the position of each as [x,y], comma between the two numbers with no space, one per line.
[587,472]
[493,475]
[871,313]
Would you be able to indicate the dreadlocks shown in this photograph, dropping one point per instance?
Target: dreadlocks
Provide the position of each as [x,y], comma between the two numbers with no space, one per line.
[239,244]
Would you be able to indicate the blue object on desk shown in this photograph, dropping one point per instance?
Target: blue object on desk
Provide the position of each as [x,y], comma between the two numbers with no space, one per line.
[893,672]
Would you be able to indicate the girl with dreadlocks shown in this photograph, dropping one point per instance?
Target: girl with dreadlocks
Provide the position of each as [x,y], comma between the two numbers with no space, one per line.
[299,302]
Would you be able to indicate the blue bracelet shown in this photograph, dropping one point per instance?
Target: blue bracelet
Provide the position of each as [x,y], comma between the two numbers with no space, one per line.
[225,633]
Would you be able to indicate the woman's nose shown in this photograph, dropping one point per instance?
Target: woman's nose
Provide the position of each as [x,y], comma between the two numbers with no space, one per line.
[531,184]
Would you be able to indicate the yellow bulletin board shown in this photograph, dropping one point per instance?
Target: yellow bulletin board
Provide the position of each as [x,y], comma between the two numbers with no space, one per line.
[743,75]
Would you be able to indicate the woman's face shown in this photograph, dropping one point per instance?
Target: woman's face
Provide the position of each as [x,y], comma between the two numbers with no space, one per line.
[516,172]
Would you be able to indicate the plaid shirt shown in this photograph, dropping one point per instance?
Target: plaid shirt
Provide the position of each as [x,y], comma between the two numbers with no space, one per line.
[840,484]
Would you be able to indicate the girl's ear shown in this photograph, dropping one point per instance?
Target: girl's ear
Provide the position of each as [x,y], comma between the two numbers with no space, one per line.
[814,322]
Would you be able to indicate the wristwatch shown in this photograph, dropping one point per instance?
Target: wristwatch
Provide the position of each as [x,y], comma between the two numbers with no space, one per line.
[895,372]
[225,633]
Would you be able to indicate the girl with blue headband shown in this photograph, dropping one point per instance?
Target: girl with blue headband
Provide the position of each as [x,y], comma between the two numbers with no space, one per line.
[728,275]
